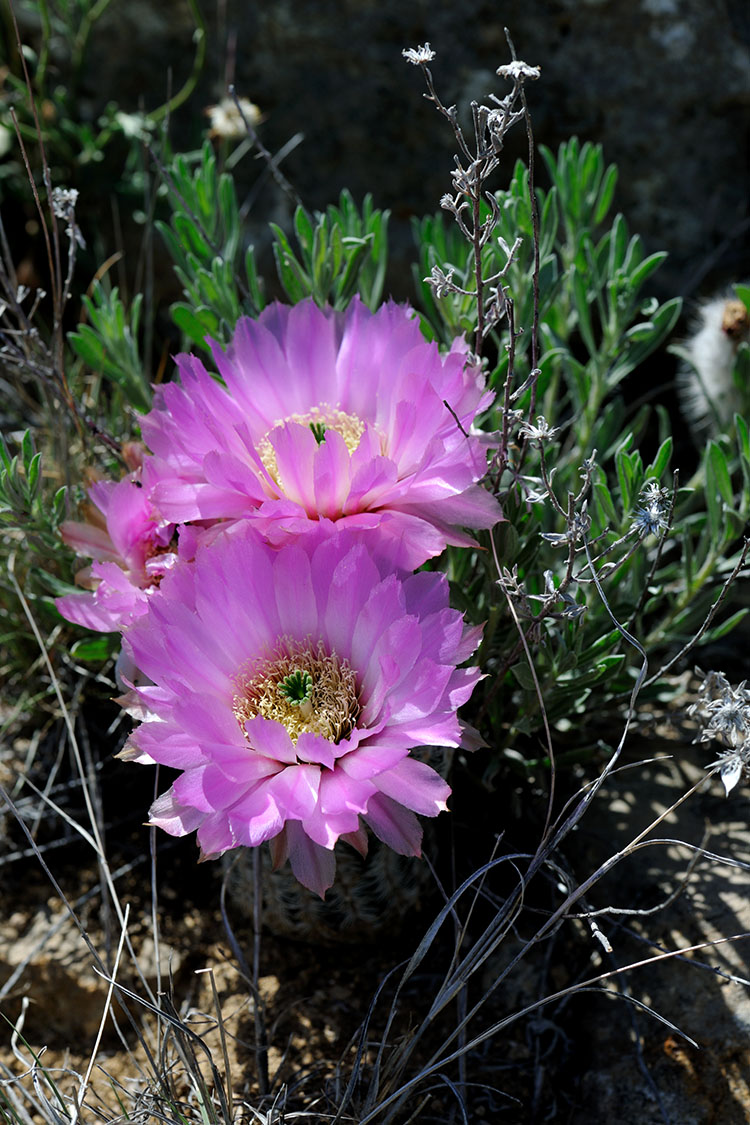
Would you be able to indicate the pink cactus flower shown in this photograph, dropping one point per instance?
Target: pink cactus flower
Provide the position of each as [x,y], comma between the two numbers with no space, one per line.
[288,686]
[351,417]
[133,550]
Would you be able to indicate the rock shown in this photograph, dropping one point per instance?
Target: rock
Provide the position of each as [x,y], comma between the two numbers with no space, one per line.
[611,72]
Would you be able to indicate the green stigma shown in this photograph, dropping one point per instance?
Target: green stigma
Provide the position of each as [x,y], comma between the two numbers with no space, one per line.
[301,685]
[319,431]
[296,687]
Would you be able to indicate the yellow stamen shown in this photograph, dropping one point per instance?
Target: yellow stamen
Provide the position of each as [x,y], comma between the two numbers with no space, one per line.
[331,706]
[320,419]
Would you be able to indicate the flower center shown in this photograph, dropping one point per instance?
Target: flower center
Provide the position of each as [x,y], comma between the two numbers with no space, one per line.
[319,419]
[301,686]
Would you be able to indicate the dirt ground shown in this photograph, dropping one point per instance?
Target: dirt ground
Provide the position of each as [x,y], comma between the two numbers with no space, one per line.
[618,1050]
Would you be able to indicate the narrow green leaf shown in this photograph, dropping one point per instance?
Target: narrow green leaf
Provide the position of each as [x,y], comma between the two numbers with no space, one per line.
[606,193]
[4,453]
[93,650]
[735,525]
[27,448]
[629,468]
[721,472]
[617,244]
[58,505]
[296,282]
[135,316]
[192,238]
[550,163]
[663,321]
[347,282]
[335,253]
[604,498]
[87,347]
[579,380]
[661,461]
[633,255]
[254,283]
[640,333]
[174,248]
[642,272]
[713,497]
[549,224]
[581,297]
[599,646]
[523,675]
[741,371]
[725,627]
[506,541]
[196,324]
[230,218]
[589,166]
[304,229]
[743,436]
[32,474]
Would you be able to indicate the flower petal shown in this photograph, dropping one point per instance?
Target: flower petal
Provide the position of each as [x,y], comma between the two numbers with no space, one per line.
[394,825]
[313,865]
[416,786]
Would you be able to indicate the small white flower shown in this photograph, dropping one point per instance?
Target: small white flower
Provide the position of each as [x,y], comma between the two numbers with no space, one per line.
[728,716]
[418,56]
[652,516]
[725,713]
[63,202]
[133,125]
[542,431]
[649,520]
[441,282]
[518,71]
[653,492]
[225,119]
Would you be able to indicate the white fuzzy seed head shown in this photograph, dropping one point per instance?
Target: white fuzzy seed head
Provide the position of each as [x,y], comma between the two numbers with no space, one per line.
[708,395]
